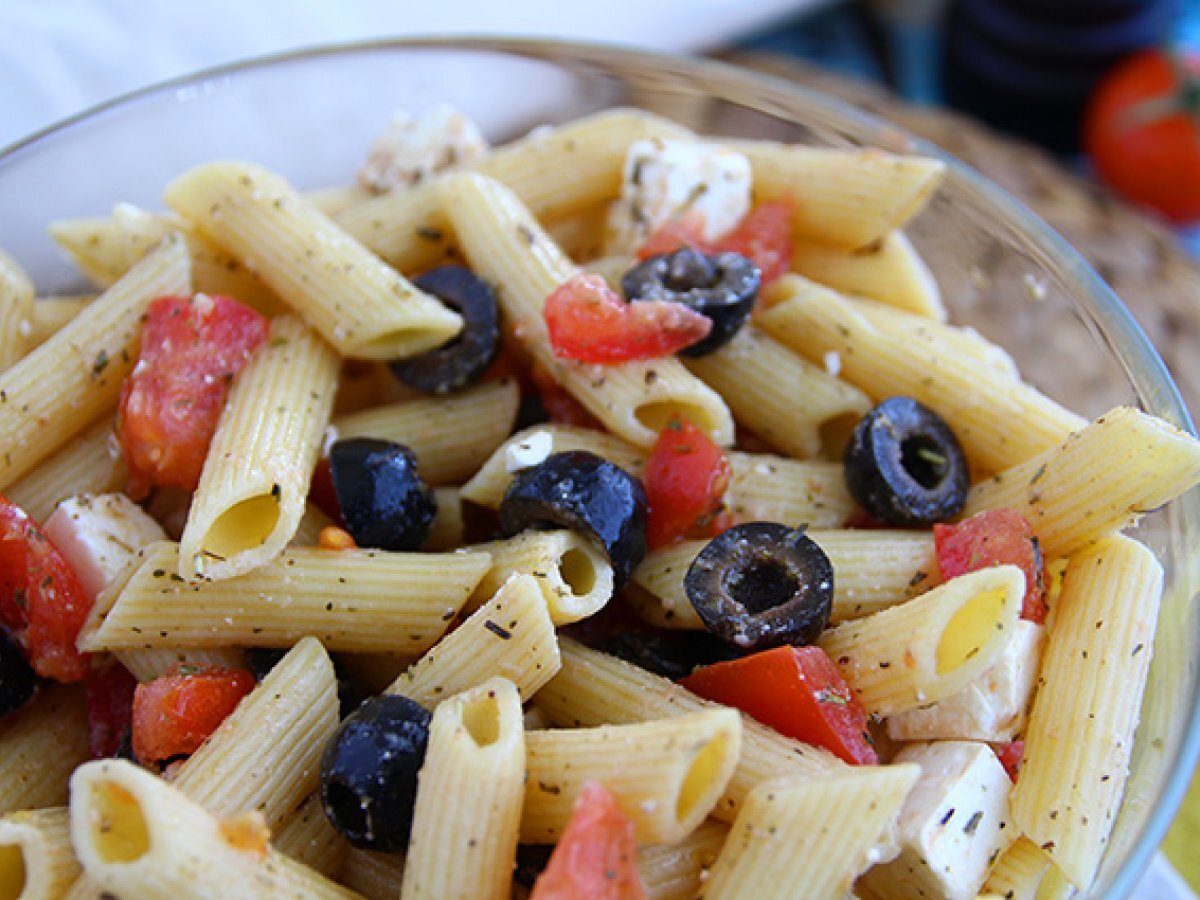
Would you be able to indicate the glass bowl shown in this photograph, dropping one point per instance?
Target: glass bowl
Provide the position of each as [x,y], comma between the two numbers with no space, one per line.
[310,115]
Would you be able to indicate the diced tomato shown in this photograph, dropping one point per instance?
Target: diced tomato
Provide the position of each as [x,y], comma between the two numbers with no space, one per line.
[686,478]
[109,688]
[799,692]
[596,857]
[588,322]
[41,600]
[170,404]
[1010,756]
[558,402]
[675,234]
[321,493]
[994,537]
[765,238]
[174,714]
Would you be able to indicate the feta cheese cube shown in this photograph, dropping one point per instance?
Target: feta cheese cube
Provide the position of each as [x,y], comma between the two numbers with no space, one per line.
[98,535]
[953,826]
[993,708]
[528,452]
[414,148]
[664,180]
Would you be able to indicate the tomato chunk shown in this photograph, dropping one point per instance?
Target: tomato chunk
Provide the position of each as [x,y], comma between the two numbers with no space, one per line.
[765,238]
[41,600]
[588,322]
[191,351]
[109,689]
[675,234]
[994,537]
[686,478]
[596,857]
[174,714]
[1010,756]
[799,692]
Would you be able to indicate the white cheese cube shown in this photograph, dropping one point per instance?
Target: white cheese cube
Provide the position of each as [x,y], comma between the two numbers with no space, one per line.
[414,148]
[664,180]
[99,534]
[993,708]
[953,825]
[528,452]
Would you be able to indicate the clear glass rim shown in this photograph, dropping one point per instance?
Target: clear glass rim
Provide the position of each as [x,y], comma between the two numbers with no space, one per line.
[1141,361]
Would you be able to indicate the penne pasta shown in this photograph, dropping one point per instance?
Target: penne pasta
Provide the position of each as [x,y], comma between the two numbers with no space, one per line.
[50,314]
[776,848]
[506,245]
[357,303]
[307,836]
[1090,689]
[94,245]
[761,380]
[677,871]
[16,311]
[1102,478]
[64,385]
[593,688]
[667,775]
[256,475]
[375,875]
[885,361]
[37,861]
[931,647]
[511,634]
[451,436]
[1019,871]
[90,464]
[40,746]
[398,603]
[469,793]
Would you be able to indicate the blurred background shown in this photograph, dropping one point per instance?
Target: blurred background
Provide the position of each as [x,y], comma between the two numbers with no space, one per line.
[1088,110]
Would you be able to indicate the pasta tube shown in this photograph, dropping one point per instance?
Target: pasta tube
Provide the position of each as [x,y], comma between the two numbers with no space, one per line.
[16,311]
[37,861]
[40,746]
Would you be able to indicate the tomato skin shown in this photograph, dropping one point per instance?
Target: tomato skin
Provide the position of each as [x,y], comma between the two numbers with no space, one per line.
[675,234]
[596,857]
[41,599]
[191,351]
[588,322]
[1011,756]
[109,689]
[1151,160]
[174,714]
[765,238]
[685,478]
[994,537]
[799,692]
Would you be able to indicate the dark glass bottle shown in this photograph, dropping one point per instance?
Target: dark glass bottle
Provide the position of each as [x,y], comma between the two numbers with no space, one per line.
[1028,66]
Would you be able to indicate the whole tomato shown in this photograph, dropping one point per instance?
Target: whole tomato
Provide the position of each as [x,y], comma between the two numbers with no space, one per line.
[1142,131]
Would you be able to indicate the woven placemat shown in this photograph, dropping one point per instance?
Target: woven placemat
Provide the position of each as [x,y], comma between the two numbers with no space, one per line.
[1139,257]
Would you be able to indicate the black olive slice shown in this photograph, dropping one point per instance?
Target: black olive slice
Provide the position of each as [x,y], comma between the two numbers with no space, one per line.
[369,772]
[673,656]
[587,494]
[761,585]
[459,363]
[905,466]
[383,500]
[18,681]
[722,287]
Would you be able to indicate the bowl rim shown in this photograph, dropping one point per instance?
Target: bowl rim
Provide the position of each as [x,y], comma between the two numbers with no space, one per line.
[1153,383]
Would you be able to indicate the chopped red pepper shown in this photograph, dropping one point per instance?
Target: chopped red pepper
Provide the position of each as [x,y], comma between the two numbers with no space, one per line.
[1010,756]
[992,538]
[175,714]
[109,688]
[596,857]
[41,600]
[588,322]
[765,238]
[191,351]
[686,478]
[799,692]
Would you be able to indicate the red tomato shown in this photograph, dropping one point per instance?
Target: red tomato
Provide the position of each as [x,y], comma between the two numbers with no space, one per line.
[596,857]
[994,537]
[109,690]
[321,493]
[674,235]
[41,599]
[1010,756]
[174,714]
[1142,131]
[799,692]
[686,477]
[560,406]
[170,404]
[765,238]
[590,323]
